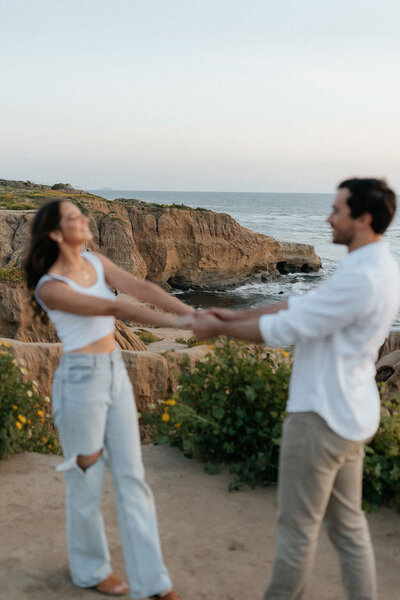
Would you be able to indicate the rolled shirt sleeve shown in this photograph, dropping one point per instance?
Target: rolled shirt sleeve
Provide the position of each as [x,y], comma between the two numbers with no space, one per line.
[333,306]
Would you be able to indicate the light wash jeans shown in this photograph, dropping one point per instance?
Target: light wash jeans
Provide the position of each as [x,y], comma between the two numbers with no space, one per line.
[93,409]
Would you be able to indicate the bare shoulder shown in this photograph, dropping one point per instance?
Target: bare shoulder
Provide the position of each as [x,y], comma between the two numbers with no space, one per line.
[52,287]
[106,262]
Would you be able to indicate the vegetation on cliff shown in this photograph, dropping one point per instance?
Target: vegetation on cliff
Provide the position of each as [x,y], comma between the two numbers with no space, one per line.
[11,273]
[229,409]
[25,420]
[25,195]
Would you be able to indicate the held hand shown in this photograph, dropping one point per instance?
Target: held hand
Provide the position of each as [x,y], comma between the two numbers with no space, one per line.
[225,314]
[206,326]
[185,321]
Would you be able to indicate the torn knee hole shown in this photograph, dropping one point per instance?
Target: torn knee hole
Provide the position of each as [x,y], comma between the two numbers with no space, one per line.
[86,461]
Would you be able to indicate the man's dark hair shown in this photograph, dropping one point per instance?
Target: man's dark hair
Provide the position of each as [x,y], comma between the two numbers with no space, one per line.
[372,196]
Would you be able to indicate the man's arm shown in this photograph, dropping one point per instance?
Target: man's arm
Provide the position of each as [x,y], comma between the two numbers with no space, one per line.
[334,306]
[227,314]
[206,326]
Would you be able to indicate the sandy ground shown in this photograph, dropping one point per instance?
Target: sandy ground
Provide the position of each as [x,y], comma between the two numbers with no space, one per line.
[167,336]
[218,545]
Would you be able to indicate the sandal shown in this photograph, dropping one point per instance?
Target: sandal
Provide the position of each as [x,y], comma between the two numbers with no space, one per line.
[170,596]
[110,586]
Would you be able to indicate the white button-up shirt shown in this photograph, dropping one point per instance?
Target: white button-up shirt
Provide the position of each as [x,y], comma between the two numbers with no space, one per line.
[338,330]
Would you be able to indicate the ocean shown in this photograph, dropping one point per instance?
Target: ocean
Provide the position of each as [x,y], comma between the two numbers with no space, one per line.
[286,217]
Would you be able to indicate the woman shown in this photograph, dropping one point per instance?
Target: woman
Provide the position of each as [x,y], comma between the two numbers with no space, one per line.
[93,404]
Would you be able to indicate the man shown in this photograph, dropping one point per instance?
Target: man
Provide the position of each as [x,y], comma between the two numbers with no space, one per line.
[333,406]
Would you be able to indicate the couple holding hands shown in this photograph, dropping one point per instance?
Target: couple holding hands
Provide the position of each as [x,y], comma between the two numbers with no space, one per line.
[333,406]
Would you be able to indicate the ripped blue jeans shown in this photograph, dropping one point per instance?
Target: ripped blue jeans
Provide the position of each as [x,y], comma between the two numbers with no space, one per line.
[94,409]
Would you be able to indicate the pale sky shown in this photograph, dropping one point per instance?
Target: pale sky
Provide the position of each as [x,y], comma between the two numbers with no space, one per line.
[200,95]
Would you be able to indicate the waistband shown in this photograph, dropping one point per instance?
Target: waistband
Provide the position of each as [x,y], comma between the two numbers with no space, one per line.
[102,360]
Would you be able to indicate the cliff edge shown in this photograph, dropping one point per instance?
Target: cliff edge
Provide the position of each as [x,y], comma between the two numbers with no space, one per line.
[174,246]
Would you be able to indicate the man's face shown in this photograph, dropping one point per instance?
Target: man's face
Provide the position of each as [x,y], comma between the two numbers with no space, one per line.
[340,219]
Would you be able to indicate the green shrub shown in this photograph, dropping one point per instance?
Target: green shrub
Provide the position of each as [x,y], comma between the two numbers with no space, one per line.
[189,342]
[382,460]
[25,422]
[229,410]
[11,273]
[147,337]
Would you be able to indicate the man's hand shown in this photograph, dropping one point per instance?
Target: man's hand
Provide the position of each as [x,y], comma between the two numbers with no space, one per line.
[205,326]
[225,314]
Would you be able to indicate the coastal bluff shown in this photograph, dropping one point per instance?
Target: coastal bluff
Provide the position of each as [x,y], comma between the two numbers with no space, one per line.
[175,246]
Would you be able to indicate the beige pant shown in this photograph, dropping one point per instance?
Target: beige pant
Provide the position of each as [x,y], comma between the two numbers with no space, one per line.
[320,477]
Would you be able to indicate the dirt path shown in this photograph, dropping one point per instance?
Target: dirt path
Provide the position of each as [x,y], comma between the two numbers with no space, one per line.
[217,545]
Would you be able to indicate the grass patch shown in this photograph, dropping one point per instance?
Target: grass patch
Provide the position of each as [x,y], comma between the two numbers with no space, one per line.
[147,337]
[11,273]
[189,342]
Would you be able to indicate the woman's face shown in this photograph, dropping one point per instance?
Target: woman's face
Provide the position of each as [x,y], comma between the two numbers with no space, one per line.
[74,228]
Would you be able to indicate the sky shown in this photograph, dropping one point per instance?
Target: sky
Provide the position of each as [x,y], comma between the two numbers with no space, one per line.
[200,95]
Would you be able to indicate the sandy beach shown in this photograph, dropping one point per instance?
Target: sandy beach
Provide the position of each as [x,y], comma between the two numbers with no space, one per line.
[218,545]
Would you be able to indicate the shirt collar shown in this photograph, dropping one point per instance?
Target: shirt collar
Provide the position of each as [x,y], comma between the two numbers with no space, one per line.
[365,253]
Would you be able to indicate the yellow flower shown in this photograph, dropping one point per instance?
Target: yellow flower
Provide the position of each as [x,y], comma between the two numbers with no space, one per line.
[29,421]
[44,440]
[212,347]
[170,402]
[285,354]
[165,417]
[14,362]
[178,424]
[18,425]
[15,407]
[23,370]
[40,413]
[35,383]
[29,394]
[22,418]
[6,344]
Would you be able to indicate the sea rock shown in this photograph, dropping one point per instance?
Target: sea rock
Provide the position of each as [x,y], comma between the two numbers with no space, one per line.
[206,250]
[178,247]
[391,343]
[388,364]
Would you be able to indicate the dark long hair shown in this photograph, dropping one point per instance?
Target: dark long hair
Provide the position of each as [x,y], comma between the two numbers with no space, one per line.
[43,251]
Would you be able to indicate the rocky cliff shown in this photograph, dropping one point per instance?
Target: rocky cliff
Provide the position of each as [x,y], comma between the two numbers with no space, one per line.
[177,247]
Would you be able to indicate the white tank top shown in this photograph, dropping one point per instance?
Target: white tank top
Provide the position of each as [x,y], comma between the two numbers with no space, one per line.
[76,331]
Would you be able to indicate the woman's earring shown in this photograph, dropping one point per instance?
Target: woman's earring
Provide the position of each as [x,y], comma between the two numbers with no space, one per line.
[59,239]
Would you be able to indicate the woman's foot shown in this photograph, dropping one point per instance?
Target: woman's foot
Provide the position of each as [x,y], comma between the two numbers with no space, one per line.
[167,596]
[113,586]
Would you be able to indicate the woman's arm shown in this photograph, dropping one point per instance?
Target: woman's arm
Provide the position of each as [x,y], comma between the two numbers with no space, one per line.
[57,295]
[141,289]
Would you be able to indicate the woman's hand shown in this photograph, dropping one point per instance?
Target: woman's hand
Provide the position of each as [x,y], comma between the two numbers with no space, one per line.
[225,314]
[184,321]
[206,325]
